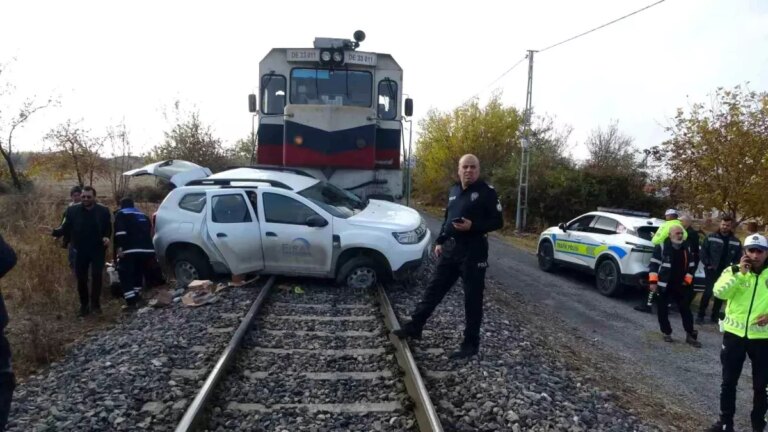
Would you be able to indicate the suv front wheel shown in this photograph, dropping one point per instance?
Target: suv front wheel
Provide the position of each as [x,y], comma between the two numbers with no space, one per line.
[190,265]
[359,272]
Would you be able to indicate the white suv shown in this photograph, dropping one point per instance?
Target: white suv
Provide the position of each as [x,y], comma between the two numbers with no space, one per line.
[614,245]
[276,220]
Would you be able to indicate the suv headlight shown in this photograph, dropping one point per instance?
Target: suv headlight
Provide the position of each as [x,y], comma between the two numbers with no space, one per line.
[413,236]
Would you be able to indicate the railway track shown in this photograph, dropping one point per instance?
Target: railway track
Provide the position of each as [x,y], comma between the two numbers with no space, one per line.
[316,359]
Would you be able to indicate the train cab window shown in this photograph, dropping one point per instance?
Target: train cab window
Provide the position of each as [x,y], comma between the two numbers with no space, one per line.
[387,99]
[272,94]
[331,87]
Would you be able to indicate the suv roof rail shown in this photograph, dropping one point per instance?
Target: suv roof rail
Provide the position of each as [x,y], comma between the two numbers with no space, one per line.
[275,168]
[624,212]
[228,182]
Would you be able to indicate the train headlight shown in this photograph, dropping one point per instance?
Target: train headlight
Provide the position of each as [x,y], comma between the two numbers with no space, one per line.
[325,56]
[338,57]
[298,140]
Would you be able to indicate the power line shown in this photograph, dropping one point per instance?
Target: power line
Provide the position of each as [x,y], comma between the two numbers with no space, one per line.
[602,26]
[497,79]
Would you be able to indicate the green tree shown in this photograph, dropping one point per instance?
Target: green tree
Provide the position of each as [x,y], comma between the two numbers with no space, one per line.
[75,150]
[610,151]
[189,139]
[718,153]
[489,132]
[240,153]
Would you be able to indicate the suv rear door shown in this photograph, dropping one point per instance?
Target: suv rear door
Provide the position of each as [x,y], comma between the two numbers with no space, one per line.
[234,229]
[291,246]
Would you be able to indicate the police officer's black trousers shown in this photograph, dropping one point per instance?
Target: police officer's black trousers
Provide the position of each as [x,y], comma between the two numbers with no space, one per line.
[7,379]
[732,356]
[447,272]
[711,278]
[132,271]
[92,258]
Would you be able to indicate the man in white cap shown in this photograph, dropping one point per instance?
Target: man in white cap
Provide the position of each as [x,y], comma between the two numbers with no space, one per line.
[745,332]
[671,215]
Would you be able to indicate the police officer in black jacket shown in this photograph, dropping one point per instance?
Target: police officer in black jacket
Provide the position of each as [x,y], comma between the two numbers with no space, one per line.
[133,240]
[473,211]
[7,378]
[88,226]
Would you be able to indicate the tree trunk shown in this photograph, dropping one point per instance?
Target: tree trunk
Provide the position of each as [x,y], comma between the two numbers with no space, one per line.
[12,170]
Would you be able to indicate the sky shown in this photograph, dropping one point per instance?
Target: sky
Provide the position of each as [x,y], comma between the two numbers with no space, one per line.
[108,61]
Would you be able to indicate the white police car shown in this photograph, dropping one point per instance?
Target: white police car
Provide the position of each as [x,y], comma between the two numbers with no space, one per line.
[613,244]
[276,220]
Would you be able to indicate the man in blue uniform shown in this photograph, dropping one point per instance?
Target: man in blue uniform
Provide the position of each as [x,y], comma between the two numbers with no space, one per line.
[473,211]
[133,240]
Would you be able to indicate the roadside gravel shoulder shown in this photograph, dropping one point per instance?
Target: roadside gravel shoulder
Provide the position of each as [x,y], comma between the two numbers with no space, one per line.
[624,381]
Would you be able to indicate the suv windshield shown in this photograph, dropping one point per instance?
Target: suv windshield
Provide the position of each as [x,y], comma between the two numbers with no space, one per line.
[334,200]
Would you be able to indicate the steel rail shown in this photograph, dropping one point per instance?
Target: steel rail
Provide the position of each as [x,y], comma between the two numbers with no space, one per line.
[426,415]
[196,411]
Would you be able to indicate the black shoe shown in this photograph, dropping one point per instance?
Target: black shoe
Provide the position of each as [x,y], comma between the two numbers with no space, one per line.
[643,308]
[408,331]
[720,427]
[84,312]
[690,339]
[465,351]
[668,338]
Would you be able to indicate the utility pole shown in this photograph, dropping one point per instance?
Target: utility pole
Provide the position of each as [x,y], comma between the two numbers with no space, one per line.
[525,156]
[253,139]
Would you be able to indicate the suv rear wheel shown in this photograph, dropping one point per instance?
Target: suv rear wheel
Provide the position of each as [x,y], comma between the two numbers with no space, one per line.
[607,278]
[359,272]
[189,265]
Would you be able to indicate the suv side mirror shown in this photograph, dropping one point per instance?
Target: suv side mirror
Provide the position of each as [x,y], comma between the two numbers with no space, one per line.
[252,106]
[408,107]
[562,226]
[316,221]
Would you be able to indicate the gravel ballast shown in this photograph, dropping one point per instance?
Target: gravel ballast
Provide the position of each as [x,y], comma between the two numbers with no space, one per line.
[139,375]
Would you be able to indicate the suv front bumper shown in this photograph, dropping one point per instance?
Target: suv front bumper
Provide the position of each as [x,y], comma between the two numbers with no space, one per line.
[410,267]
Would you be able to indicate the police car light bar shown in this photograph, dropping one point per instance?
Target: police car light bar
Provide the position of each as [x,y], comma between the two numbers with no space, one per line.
[624,212]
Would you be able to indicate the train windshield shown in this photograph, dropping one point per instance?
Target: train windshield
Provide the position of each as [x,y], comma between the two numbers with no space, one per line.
[331,87]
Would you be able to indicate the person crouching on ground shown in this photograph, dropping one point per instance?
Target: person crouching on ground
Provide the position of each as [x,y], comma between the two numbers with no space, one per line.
[671,278]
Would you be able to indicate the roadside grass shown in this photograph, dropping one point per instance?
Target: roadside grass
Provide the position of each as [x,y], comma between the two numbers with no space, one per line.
[40,291]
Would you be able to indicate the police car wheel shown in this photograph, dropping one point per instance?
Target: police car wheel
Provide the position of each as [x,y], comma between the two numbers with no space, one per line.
[607,278]
[546,257]
[359,273]
[188,266]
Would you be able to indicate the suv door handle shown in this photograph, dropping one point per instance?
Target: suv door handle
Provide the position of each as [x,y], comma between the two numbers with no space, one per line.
[221,235]
[271,234]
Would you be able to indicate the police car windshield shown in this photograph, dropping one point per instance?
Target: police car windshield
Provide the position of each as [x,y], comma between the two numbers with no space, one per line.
[334,200]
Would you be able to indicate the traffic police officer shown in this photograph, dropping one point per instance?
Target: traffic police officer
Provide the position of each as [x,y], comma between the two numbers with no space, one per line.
[133,239]
[745,331]
[473,211]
